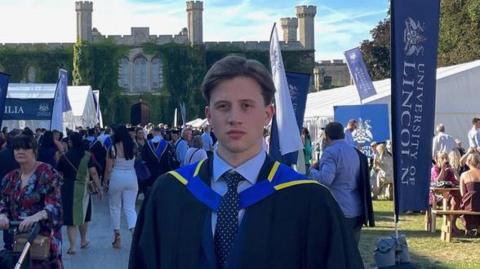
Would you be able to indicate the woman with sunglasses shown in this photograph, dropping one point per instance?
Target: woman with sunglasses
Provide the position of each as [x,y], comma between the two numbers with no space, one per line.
[31,194]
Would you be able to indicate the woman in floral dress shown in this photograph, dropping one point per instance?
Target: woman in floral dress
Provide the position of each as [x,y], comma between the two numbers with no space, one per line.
[31,194]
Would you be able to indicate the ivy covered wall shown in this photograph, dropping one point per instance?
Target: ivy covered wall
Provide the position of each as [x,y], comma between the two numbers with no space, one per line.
[45,59]
[97,65]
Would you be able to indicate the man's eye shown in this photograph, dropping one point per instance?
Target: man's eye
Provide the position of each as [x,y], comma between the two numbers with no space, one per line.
[246,106]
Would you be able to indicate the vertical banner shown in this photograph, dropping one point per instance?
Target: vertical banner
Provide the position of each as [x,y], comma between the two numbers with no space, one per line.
[298,85]
[415,27]
[359,73]
[286,122]
[372,123]
[3,94]
[183,113]
[61,103]
[96,98]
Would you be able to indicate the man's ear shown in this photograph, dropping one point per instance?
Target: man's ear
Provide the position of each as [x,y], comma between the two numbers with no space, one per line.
[208,114]
[269,112]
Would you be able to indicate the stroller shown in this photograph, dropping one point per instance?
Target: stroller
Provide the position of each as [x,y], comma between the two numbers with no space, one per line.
[16,260]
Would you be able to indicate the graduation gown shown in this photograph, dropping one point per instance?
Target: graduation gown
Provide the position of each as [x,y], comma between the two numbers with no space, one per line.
[298,225]
[157,165]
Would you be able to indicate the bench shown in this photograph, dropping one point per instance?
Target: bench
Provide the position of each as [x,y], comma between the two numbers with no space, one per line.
[448,217]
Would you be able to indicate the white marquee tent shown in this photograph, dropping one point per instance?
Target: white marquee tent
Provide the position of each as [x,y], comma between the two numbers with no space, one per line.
[457,100]
[81,100]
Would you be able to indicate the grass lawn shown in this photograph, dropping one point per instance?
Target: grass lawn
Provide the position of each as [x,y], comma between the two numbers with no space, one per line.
[426,249]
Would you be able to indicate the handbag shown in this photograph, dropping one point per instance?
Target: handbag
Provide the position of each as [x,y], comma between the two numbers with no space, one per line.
[142,171]
[39,249]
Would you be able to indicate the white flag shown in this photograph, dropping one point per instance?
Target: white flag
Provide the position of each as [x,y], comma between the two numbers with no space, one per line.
[288,132]
[60,103]
[96,95]
[175,118]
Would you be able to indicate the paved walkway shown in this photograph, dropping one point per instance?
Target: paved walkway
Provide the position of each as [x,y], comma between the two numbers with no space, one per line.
[99,254]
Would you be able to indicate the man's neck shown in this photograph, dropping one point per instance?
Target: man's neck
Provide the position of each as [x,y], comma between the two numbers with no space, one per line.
[237,159]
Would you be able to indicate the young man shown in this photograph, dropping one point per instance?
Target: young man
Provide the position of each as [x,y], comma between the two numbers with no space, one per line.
[240,209]
[344,170]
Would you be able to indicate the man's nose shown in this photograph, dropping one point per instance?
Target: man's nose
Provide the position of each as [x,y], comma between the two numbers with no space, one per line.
[235,115]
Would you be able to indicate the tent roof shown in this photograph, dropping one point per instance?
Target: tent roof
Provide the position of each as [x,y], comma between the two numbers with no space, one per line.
[320,104]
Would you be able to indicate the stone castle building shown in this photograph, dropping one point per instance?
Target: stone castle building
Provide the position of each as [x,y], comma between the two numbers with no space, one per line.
[331,74]
[142,72]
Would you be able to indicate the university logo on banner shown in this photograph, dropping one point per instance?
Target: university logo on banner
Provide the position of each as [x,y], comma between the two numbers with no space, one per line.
[415,27]
[3,93]
[359,73]
[372,121]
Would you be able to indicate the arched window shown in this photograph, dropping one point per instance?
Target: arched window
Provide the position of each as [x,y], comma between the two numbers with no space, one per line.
[140,74]
[31,74]
[157,73]
[123,74]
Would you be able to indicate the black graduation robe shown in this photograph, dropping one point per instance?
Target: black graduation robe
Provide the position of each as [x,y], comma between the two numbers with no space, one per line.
[157,166]
[297,227]
[364,187]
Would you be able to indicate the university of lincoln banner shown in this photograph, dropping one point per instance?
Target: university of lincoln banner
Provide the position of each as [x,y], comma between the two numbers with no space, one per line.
[415,25]
[359,73]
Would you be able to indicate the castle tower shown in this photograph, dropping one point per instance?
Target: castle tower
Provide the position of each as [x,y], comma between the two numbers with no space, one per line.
[306,15]
[289,26]
[84,11]
[195,22]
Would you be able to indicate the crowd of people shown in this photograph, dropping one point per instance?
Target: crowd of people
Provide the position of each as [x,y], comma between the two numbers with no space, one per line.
[213,194]
[455,166]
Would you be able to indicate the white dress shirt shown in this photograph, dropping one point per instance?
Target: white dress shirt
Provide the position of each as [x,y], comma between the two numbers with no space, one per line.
[249,170]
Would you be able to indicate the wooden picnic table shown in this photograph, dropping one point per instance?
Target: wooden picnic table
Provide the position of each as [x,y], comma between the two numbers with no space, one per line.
[430,217]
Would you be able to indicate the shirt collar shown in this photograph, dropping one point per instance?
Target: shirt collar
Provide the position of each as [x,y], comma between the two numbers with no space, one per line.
[249,169]
[156,138]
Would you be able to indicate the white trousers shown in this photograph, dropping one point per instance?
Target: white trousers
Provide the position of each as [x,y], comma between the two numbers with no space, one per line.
[123,191]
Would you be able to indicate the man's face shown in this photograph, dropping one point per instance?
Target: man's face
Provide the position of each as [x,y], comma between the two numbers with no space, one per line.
[238,114]
[187,134]
[477,125]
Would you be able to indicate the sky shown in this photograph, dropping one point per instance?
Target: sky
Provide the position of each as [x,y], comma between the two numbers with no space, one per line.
[339,24]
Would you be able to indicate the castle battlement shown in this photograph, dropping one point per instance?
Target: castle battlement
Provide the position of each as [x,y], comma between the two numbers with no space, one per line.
[135,40]
[331,62]
[304,11]
[289,22]
[84,5]
[252,45]
[36,46]
[194,5]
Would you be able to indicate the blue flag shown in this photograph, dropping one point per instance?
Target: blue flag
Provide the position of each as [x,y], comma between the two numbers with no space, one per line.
[359,73]
[415,27]
[298,84]
[3,93]
[372,123]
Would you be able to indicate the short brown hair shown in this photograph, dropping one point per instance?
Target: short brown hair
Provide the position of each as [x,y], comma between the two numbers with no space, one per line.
[235,66]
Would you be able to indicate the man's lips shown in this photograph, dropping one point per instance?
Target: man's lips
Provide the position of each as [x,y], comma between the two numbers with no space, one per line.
[236,133]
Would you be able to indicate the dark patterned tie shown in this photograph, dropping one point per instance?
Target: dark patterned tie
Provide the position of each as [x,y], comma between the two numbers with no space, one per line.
[226,228]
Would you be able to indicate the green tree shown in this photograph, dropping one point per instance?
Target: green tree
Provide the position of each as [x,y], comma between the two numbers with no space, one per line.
[376,52]
[459,39]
